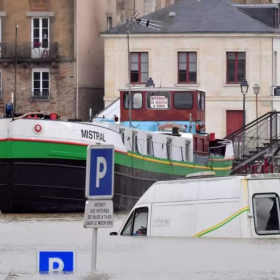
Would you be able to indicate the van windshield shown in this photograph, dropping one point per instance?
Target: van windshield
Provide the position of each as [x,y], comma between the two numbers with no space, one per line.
[137,222]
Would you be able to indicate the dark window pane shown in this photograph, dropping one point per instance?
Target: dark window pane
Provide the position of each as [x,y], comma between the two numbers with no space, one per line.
[241,76]
[45,33]
[231,77]
[36,33]
[134,76]
[36,84]
[45,23]
[45,43]
[45,84]
[36,23]
[231,66]
[158,100]
[45,76]
[192,77]
[36,75]
[241,66]
[183,100]
[182,76]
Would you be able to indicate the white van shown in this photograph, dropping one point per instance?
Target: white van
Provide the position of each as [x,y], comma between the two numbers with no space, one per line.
[233,206]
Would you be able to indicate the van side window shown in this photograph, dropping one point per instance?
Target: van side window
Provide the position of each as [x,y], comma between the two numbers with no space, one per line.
[266,213]
[127,228]
[140,221]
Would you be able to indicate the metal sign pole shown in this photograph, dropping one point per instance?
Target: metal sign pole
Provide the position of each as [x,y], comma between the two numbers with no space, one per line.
[94,249]
[99,192]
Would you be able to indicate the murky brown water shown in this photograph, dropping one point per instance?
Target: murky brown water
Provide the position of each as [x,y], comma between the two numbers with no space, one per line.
[131,257]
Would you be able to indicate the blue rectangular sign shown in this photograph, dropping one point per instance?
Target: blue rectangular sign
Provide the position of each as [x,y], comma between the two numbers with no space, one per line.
[100,172]
[56,261]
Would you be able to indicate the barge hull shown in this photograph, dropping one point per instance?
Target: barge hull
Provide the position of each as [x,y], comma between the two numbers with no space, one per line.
[58,185]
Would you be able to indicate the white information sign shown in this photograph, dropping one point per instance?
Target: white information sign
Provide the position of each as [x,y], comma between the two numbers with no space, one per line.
[99,214]
[159,102]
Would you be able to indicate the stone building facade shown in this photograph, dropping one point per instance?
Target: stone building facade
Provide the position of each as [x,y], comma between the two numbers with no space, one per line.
[215,58]
[37,59]
[95,16]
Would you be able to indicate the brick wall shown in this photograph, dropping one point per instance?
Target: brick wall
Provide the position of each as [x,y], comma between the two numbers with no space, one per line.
[62,91]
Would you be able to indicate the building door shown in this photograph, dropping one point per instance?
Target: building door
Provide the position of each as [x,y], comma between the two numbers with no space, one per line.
[234,120]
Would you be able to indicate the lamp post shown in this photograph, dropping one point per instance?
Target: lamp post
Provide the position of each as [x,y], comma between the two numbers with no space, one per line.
[256,89]
[244,89]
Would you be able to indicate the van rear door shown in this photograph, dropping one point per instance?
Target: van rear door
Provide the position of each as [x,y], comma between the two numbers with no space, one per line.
[264,207]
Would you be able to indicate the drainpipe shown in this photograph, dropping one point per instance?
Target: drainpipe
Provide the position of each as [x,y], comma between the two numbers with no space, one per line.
[77,72]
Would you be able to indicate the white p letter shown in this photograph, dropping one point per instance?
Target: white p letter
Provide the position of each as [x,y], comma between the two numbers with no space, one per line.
[52,261]
[99,174]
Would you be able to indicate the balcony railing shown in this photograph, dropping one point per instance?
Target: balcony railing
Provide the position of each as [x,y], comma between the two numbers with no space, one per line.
[40,95]
[38,51]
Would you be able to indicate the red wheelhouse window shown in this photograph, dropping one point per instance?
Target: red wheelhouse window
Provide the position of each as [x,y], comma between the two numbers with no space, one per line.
[187,67]
[139,67]
[236,66]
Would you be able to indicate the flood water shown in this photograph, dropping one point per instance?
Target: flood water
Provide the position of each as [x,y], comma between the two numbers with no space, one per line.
[133,258]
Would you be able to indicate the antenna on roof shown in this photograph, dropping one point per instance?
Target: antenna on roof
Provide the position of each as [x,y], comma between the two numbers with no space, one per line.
[144,22]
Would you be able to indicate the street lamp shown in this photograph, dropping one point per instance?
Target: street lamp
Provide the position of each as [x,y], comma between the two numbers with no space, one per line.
[256,89]
[244,89]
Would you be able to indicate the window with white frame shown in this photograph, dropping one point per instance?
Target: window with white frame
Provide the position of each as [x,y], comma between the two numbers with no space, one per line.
[40,32]
[41,83]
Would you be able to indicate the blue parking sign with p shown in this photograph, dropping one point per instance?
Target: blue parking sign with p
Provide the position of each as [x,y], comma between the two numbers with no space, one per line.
[56,261]
[100,172]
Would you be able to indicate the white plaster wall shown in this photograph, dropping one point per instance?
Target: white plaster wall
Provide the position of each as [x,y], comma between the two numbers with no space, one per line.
[211,70]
